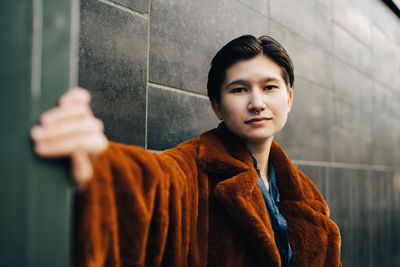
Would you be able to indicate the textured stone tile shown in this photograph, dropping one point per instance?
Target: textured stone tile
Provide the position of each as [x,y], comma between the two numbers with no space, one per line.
[353,99]
[318,176]
[338,199]
[259,5]
[113,67]
[382,226]
[396,79]
[141,6]
[351,50]
[345,147]
[351,147]
[383,140]
[185,35]
[385,19]
[363,204]
[295,15]
[309,61]
[396,143]
[349,83]
[344,115]
[360,184]
[385,100]
[175,117]
[307,134]
[386,56]
[354,16]
[325,3]
[383,126]
[352,115]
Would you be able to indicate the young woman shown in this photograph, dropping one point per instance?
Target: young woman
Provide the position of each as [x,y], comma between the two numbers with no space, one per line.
[230,197]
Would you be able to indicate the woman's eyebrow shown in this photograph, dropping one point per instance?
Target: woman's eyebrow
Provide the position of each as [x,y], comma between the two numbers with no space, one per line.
[244,82]
[270,79]
[240,82]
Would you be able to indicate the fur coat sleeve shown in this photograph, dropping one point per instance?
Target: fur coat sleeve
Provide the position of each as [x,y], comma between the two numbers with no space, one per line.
[134,195]
[197,205]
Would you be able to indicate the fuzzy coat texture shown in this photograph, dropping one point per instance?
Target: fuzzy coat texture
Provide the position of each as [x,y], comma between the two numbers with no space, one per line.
[198,205]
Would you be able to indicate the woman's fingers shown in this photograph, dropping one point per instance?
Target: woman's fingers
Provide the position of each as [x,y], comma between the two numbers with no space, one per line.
[75,95]
[66,112]
[82,169]
[64,129]
[92,143]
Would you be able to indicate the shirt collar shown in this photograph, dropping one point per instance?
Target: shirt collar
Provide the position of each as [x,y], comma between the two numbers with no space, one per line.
[273,188]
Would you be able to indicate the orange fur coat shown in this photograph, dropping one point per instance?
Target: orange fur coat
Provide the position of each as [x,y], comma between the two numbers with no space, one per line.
[198,205]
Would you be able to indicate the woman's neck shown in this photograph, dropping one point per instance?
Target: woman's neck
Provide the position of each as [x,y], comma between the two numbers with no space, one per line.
[260,151]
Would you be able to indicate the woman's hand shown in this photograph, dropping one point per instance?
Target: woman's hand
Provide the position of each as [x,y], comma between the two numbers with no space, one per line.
[70,129]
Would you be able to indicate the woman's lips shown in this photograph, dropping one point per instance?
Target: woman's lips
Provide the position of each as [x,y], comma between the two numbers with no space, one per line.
[257,120]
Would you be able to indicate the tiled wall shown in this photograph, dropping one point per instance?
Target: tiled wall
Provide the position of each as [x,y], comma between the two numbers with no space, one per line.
[146,63]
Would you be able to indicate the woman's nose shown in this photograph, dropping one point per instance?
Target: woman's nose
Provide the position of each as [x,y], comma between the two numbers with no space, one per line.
[256,102]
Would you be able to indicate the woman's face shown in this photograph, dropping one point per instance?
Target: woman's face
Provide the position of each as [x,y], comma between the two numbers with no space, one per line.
[255,100]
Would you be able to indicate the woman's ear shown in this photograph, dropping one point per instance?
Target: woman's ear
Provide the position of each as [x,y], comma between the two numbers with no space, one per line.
[290,99]
[215,107]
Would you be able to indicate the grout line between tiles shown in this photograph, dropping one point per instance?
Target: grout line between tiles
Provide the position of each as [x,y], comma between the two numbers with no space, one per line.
[124,8]
[179,91]
[343,165]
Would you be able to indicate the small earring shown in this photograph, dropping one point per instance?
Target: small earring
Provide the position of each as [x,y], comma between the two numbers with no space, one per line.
[220,117]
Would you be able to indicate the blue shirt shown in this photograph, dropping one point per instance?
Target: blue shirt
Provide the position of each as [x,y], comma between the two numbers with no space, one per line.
[276,216]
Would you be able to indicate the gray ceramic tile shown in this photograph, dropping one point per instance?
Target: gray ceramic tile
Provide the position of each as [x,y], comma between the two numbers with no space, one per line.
[307,133]
[345,146]
[350,84]
[338,201]
[385,100]
[351,50]
[141,6]
[259,5]
[175,117]
[294,15]
[385,20]
[353,115]
[318,176]
[396,143]
[384,127]
[185,35]
[365,206]
[362,204]
[386,56]
[338,195]
[358,207]
[354,16]
[383,140]
[310,61]
[325,3]
[382,226]
[113,67]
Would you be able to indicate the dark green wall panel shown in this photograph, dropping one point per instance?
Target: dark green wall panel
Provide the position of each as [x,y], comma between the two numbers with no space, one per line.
[35,194]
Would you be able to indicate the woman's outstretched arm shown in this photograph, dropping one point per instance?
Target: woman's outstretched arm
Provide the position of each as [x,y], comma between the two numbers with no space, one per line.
[135,207]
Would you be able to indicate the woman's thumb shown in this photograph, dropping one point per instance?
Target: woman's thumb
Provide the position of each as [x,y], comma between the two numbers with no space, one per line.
[81,168]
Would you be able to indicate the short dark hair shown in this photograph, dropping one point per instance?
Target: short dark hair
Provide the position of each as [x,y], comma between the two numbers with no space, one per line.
[242,48]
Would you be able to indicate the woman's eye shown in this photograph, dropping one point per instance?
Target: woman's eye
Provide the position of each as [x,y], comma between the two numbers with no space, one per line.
[270,87]
[238,90]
